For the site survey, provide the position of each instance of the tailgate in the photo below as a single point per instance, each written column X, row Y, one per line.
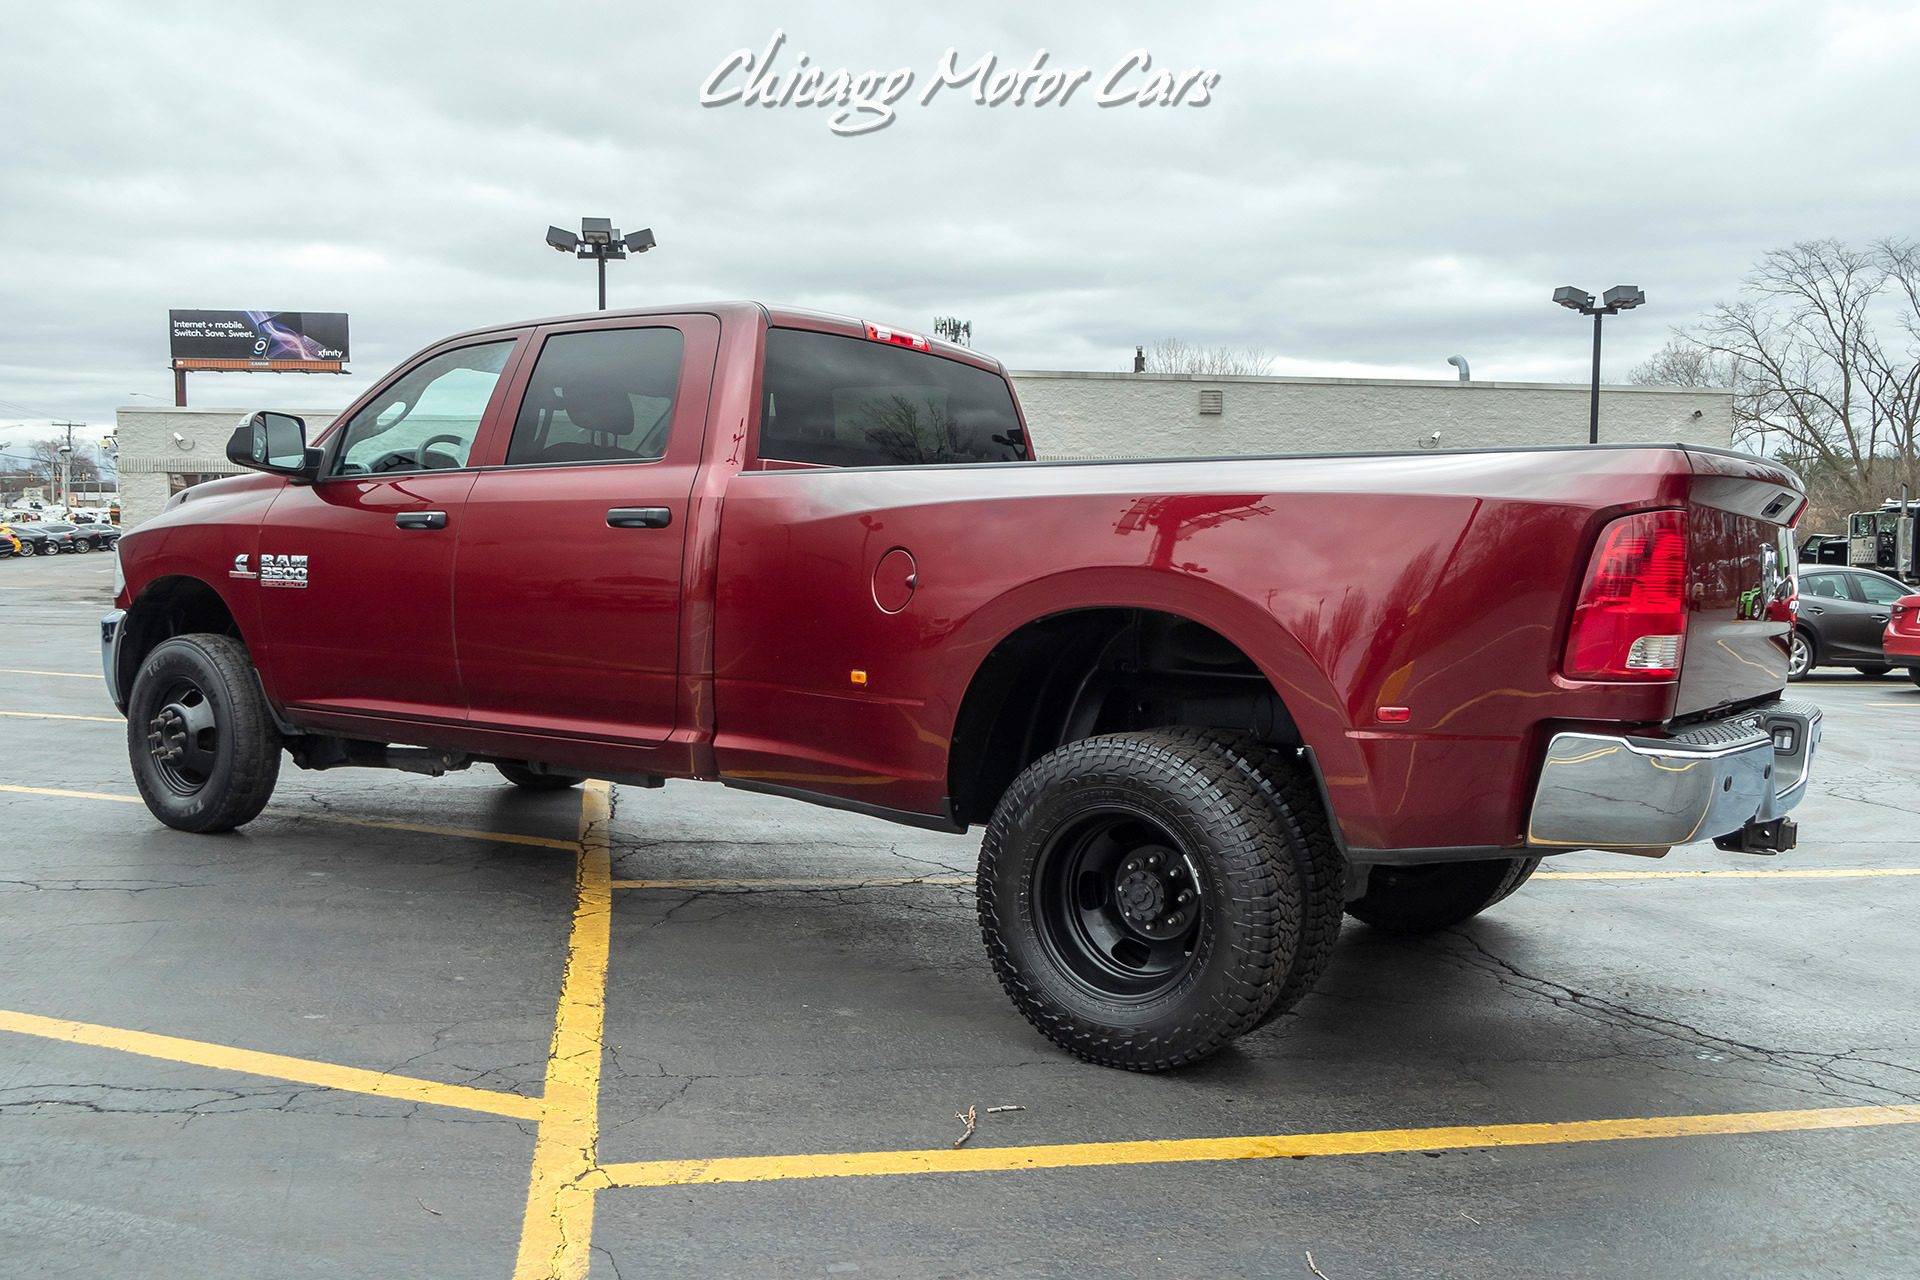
column 1740, row 563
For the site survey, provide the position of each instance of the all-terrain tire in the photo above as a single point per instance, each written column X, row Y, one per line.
column 1307, row 829
column 1104, row 828
column 521, row 776
column 1422, row 899
column 200, row 737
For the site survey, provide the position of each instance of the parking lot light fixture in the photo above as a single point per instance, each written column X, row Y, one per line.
column 600, row 240
column 1622, row 297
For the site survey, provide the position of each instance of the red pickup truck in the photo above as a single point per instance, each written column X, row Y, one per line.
column 1202, row 707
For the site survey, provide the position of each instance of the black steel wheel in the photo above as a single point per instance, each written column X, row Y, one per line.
column 521, row 776
column 1422, row 899
column 202, row 742
column 1801, row 656
column 1137, row 900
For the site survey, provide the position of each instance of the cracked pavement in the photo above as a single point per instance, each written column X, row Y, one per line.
column 756, row 1020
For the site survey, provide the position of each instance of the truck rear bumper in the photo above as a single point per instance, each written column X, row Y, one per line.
column 1645, row 795
column 110, row 628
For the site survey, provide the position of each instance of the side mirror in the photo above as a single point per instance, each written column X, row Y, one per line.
column 275, row 443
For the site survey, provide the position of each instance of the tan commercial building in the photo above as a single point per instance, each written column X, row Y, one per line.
column 1147, row 415
column 164, row 450
column 1132, row 415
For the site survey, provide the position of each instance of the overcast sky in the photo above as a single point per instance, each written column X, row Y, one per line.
column 1372, row 187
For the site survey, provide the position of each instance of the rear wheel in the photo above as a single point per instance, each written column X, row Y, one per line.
column 1800, row 656
column 521, row 776
column 201, row 740
column 81, row 545
column 1290, row 790
column 1138, row 899
column 1913, row 674
column 1422, row 899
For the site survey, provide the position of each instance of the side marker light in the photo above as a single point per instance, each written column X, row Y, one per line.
column 1393, row 715
column 858, row 677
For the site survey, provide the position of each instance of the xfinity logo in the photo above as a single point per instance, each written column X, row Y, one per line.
column 283, row 571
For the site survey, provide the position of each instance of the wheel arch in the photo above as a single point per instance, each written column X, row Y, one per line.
column 173, row 605
column 1058, row 675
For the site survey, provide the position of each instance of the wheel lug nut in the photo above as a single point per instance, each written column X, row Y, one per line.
column 1153, row 859
column 1185, row 896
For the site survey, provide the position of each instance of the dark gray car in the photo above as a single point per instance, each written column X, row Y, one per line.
column 1843, row 613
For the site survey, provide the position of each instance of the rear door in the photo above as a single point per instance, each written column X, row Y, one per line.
column 567, row 597
column 355, row 572
column 1878, row 594
column 1841, row 617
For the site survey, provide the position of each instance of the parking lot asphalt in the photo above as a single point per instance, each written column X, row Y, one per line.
column 411, row 1027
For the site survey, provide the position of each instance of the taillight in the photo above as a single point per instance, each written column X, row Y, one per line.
column 1630, row 623
column 899, row 337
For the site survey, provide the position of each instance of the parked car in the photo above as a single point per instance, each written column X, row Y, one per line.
column 80, row 537
column 1843, row 614
column 1901, row 639
column 32, row 538
column 1202, row 707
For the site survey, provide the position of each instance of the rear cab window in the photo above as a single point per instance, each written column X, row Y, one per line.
column 836, row 401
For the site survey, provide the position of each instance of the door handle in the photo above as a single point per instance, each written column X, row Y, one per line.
column 1814, row 608
column 420, row 520
column 639, row 518
column 1879, row 617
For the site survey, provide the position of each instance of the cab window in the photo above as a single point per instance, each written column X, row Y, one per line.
column 601, row 396
column 851, row 402
column 427, row 420
column 1875, row 590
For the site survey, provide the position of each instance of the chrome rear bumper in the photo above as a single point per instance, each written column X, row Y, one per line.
column 1645, row 795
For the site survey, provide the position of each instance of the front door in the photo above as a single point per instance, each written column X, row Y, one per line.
column 567, row 597
column 355, row 572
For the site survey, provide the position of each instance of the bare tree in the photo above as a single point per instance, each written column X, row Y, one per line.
column 1171, row 355
column 1809, row 367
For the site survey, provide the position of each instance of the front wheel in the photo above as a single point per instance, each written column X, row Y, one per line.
column 1874, row 669
column 82, row 546
column 1138, row 900
column 1421, row 899
column 201, row 740
column 1800, row 656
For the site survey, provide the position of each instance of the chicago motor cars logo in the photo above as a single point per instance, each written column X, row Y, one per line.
column 865, row 100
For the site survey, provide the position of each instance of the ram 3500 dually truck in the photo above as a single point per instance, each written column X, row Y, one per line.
column 1202, row 707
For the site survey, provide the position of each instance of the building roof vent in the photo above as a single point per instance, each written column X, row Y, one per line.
column 1212, row 401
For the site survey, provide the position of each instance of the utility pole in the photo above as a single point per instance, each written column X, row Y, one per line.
column 66, row 462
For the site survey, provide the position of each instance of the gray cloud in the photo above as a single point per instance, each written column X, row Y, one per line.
column 1374, row 187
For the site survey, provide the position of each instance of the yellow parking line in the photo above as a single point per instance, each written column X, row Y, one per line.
column 859, row 1164
column 1914, row 702
column 556, row 1234
column 1803, row 873
column 76, row 675
column 803, row 882
column 300, row 1070
column 47, row 715
column 75, row 795
column 464, row 833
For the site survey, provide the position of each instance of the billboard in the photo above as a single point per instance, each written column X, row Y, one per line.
column 314, row 341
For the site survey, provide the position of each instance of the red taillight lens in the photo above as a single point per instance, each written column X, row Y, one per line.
column 899, row 337
column 1630, row 623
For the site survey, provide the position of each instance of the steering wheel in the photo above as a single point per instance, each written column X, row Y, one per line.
column 420, row 454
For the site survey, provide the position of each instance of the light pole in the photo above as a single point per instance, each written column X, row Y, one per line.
column 600, row 240
column 1622, row 297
